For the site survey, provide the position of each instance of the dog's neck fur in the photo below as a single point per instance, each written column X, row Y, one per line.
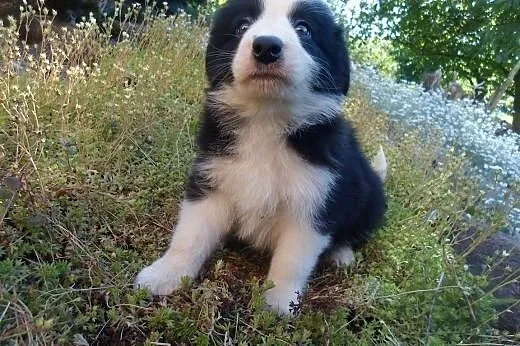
column 288, row 113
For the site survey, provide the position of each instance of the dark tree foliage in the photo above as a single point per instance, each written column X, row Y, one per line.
column 74, row 11
column 172, row 6
column 477, row 39
column 67, row 10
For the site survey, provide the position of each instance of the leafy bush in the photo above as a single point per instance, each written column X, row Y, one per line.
column 375, row 53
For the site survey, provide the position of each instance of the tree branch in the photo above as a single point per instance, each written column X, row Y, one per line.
column 500, row 91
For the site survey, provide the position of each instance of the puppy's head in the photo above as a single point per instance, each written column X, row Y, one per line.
column 277, row 48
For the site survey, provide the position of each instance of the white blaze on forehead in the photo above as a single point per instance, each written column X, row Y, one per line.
column 274, row 20
column 275, row 8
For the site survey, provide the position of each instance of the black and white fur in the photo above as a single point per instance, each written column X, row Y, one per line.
column 277, row 161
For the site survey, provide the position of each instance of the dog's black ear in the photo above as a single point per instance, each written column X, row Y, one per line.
column 218, row 63
column 346, row 78
column 343, row 59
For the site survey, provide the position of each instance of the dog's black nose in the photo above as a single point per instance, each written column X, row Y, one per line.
column 267, row 49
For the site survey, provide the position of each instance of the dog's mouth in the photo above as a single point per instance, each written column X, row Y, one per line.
column 269, row 76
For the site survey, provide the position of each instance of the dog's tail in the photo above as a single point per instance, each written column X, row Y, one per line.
column 380, row 165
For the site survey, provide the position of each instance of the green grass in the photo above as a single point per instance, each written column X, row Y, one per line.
column 92, row 170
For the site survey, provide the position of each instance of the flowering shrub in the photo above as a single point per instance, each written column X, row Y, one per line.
column 492, row 149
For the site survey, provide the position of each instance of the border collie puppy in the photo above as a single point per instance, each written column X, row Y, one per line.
column 277, row 162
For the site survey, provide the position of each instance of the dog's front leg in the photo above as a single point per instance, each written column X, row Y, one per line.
column 295, row 256
column 200, row 228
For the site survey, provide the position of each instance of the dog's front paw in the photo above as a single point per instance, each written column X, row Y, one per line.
column 281, row 301
column 161, row 278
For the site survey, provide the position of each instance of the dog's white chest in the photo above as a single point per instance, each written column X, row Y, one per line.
column 267, row 181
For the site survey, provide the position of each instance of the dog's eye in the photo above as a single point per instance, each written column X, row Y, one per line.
column 303, row 29
column 243, row 25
